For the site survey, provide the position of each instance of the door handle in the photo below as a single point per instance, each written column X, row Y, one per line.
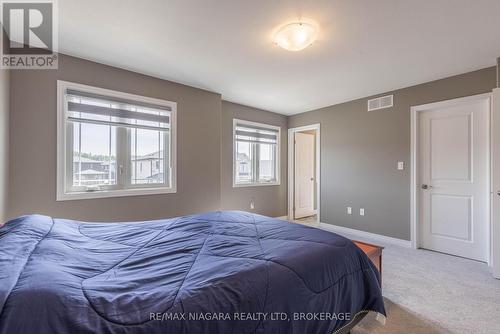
column 425, row 187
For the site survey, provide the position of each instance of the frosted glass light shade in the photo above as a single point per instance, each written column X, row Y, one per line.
column 296, row 36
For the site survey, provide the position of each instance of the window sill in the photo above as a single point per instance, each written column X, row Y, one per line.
column 64, row 196
column 255, row 184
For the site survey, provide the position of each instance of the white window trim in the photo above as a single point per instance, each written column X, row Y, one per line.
column 278, row 155
column 62, row 154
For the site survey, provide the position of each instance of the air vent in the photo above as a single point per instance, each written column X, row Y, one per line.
column 381, row 103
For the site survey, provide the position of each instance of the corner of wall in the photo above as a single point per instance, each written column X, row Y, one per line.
column 4, row 142
column 268, row 200
column 221, row 148
column 498, row 72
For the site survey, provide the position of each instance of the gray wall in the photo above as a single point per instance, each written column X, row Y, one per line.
column 204, row 157
column 33, row 145
column 498, row 72
column 360, row 150
column 4, row 141
column 269, row 200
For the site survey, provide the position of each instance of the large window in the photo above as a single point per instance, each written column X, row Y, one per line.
column 256, row 154
column 113, row 144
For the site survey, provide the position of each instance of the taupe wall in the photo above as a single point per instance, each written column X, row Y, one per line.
column 269, row 200
column 360, row 151
column 204, row 157
column 498, row 72
column 33, row 145
column 4, row 141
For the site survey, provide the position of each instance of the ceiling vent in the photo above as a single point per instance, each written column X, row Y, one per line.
column 382, row 102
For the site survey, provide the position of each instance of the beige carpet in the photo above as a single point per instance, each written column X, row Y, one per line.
column 429, row 292
column 399, row 321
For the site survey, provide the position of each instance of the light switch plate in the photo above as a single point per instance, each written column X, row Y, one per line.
column 349, row 210
column 361, row 212
column 401, row 165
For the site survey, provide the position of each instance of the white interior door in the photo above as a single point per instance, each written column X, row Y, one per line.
column 454, row 190
column 304, row 174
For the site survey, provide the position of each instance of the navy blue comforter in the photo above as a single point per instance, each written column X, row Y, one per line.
column 220, row 272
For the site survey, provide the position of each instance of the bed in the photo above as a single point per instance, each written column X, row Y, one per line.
column 218, row 272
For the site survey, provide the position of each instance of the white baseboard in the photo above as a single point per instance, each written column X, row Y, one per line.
column 362, row 235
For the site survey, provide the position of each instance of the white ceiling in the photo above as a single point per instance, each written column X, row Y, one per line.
column 366, row 47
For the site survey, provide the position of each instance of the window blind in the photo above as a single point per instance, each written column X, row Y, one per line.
column 256, row 134
column 85, row 107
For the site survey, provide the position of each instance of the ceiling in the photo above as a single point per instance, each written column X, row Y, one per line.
column 365, row 47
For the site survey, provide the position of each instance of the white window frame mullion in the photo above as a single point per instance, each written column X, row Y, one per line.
column 275, row 151
column 256, row 163
column 122, row 157
column 110, row 153
column 167, row 158
column 69, row 158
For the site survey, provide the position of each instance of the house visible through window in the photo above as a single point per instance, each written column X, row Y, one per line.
column 113, row 144
column 256, row 153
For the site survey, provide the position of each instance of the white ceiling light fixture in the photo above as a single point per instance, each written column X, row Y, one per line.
column 296, row 36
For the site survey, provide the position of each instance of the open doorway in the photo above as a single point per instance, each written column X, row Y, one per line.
column 304, row 173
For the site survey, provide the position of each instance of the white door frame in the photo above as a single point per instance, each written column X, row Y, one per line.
column 414, row 186
column 495, row 184
column 291, row 165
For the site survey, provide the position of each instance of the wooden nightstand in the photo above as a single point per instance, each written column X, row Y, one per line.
column 374, row 254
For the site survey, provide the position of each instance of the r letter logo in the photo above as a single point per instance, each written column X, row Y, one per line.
column 29, row 35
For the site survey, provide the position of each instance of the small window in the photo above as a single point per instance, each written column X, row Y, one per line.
column 113, row 144
column 256, row 154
